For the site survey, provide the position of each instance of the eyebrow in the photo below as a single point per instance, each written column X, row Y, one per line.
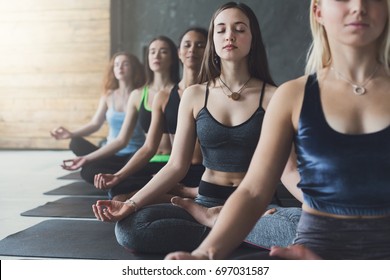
column 236, row 23
column 153, row 49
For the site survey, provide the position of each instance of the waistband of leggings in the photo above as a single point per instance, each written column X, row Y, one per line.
column 214, row 190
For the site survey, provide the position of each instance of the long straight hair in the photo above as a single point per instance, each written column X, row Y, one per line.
column 174, row 68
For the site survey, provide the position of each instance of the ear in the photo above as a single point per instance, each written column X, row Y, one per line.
column 317, row 13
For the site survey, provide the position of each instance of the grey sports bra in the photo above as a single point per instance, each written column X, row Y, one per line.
column 228, row 148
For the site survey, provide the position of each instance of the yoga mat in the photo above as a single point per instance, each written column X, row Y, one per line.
column 77, row 188
column 67, row 207
column 75, row 239
column 71, row 176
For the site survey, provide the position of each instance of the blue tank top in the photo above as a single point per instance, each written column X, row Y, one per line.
column 171, row 110
column 228, row 148
column 115, row 121
column 341, row 173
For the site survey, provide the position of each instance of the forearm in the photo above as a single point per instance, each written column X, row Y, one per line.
column 165, row 180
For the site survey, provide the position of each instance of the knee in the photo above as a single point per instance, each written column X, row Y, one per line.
column 124, row 235
column 75, row 144
column 87, row 174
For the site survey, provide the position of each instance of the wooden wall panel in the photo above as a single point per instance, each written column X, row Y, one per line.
column 53, row 55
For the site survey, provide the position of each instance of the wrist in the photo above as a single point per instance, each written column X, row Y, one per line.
column 120, row 176
column 201, row 254
column 132, row 204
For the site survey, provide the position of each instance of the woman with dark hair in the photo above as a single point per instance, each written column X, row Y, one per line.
column 164, row 117
column 225, row 113
column 124, row 74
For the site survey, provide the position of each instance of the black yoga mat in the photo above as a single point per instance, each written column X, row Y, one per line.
column 71, row 176
column 78, row 188
column 67, row 207
column 75, row 239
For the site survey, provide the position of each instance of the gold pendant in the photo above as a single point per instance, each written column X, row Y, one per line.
column 235, row 96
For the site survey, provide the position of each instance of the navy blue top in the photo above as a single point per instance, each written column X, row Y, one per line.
column 341, row 174
column 228, row 148
column 172, row 109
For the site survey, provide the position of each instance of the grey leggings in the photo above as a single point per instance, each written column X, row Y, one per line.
column 350, row 239
column 163, row 228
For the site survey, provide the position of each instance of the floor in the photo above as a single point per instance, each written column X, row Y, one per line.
column 24, row 177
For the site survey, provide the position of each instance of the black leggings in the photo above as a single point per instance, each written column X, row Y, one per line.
column 142, row 177
column 81, row 147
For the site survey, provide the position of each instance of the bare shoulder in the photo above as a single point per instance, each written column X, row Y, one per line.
column 195, row 92
column 193, row 97
column 135, row 96
column 288, row 97
column 291, row 91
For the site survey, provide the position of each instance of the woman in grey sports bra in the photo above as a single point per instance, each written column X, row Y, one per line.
column 224, row 111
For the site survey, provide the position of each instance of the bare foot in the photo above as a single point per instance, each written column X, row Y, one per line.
column 123, row 197
column 205, row 216
column 294, row 252
column 184, row 191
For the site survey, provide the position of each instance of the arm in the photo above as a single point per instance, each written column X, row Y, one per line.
column 120, row 142
column 125, row 133
column 92, row 126
column 246, row 205
column 145, row 153
column 171, row 173
column 290, row 177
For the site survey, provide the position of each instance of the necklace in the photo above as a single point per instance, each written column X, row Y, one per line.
column 357, row 89
column 235, row 95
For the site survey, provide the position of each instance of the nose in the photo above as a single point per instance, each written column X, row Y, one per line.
column 192, row 48
column 230, row 36
column 359, row 7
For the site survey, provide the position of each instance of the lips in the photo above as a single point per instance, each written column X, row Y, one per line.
column 358, row 24
column 229, row 47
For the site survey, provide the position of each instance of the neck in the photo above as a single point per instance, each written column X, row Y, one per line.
column 233, row 73
column 356, row 64
column 189, row 78
column 160, row 81
column 125, row 88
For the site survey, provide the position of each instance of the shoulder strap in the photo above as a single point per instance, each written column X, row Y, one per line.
column 262, row 94
column 145, row 91
column 206, row 97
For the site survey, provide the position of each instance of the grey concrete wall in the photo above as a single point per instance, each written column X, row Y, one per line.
column 284, row 24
